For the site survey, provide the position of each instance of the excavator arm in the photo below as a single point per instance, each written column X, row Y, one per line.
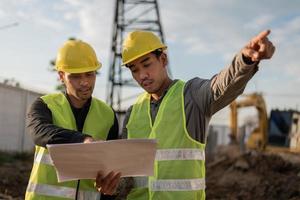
column 258, row 137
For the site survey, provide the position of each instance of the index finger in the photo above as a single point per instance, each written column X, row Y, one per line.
column 261, row 36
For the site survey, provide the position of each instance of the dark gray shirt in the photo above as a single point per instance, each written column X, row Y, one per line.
column 203, row 97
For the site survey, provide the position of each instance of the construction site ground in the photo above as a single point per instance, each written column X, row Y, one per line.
column 230, row 175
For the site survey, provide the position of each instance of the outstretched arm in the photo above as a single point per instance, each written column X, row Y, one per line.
column 231, row 82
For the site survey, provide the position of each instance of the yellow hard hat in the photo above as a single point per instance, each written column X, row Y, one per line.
column 76, row 56
column 139, row 43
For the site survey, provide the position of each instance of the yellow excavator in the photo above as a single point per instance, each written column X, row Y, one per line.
column 279, row 132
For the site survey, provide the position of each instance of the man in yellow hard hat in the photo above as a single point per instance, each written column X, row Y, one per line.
column 177, row 113
column 71, row 117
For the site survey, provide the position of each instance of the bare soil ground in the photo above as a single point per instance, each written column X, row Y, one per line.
column 14, row 174
column 231, row 175
column 253, row 175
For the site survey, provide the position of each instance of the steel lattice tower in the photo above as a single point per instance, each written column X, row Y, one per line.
column 129, row 15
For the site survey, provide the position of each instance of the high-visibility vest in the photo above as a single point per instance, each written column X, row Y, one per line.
column 43, row 182
column 179, row 168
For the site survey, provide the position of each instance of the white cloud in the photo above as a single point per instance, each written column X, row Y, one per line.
column 76, row 3
column 202, row 27
column 49, row 23
column 2, row 13
column 211, row 28
column 26, row 11
column 287, row 41
column 260, row 22
column 94, row 20
column 68, row 16
column 288, row 31
column 208, row 28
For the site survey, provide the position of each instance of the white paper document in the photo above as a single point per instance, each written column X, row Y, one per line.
column 133, row 157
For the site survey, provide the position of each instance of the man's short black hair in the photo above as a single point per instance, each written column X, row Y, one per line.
column 157, row 52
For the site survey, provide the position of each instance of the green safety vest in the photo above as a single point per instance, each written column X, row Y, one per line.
column 43, row 180
column 179, row 168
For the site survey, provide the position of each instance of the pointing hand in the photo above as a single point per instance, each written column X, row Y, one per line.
column 259, row 47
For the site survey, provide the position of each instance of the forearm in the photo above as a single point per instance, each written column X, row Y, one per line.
column 50, row 134
column 231, row 82
column 43, row 131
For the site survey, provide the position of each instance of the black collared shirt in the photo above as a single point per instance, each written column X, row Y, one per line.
column 42, row 130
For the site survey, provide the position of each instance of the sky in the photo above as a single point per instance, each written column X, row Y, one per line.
column 202, row 38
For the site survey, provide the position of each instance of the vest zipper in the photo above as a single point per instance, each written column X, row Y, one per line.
column 77, row 189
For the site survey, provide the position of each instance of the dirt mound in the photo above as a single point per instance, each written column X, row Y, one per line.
column 230, row 175
column 252, row 175
column 14, row 175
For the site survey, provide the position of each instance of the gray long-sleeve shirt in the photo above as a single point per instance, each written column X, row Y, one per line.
column 203, row 98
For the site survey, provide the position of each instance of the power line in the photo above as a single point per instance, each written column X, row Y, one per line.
column 9, row 25
column 283, row 95
column 280, row 95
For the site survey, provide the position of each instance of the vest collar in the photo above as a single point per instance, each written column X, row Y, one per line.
column 164, row 93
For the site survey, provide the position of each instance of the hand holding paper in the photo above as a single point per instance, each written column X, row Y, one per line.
column 134, row 157
column 107, row 184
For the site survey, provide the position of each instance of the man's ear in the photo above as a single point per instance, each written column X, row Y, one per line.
column 164, row 59
column 61, row 75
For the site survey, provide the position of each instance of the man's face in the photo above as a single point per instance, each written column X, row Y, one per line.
column 79, row 86
column 149, row 71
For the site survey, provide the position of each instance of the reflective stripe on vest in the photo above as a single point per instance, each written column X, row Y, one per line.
column 170, row 185
column 141, row 181
column 58, row 191
column 178, row 185
column 174, row 154
column 51, row 190
column 43, row 158
column 179, row 154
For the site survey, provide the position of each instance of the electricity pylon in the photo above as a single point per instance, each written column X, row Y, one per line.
column 129, row 15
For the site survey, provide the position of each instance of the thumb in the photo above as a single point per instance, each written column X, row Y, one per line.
column 250, row 53
column 88, row 140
